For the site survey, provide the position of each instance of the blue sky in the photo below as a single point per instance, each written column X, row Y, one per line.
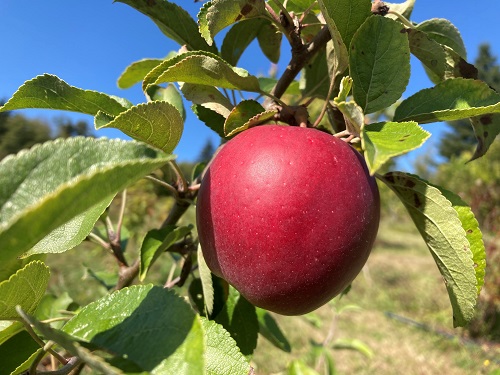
column 89, row 43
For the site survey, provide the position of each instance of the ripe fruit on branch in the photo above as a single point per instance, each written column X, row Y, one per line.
column 288, row 216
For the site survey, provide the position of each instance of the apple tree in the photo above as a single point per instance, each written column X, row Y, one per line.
column 288, row 207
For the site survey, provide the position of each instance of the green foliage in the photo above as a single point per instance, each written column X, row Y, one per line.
column 56, row 195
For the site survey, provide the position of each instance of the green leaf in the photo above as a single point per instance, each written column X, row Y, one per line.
column 239, row 37
column 206, row 283
column 83, row 171
column 444, row 32
column 135, row 72
column 171, row 336
column 49, row 91
column 218, row 14
column 51, row 306
column 354, row 344
column 379, row 63
column 71, row 233
column 223, row 356
column 211, row 119
column 246, row 114
column 449, row 100
column 15, row 353
column 384, row 140
column 158, row 124
column 269, row 39
column 299, row 367
column 486, row 129
column 9, row 266
column 92, row 360
column 267, row 84
column 442, row 230
column 405, row 9
column 268, row 327
column 348, row 15
column 239, row 318
column 158, row 241
column 173, row 21
column 353, row 116
column 440, row 61
column 25, row 288
column 9, row 329
column 201, row 68
column 168, row 94
column 315, row 80
column 208, row 97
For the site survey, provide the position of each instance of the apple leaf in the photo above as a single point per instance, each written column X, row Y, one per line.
column 239, row 318
column 268, row 327
column 17, row 353
column 62, row 339
column 71, row 233
column 444, row 32
column 223, row 356
column 83, row 172
column 51, row 307
column 168, row 94
column 405, row 9
column 452, row 99
column 353, row 344
column 442, row 230
column 211, row 119
column 135, row 72
column 299, row 367
column 50, row 92
column 158, row 241
column 267, row 84
column 158, row 124
column 171, row 336
column 379, row 63
column 348, row 15
column 314, row 80
column 269, row 39
column 486, row 129
column 208, row 97
column 9, row 329
column 238, row 38
column 218, row 14
column 25, row 288
column 207, row 285
column 384, row 140
column 173, row 21
column 202, row 68
column 246, row 114
column 353, row 116
column 441, row 61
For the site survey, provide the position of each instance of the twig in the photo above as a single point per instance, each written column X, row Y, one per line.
column 121, row 214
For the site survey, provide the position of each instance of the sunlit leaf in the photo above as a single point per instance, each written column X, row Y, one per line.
column 168, row 94
column 299, row 367
column 449, row 100
column 247, row 113
column 25, row 288
column 379, row 63
column 158, row 124
column 353, row 344
column 442, row 230
column 444, row 32
column 135, row 72
column 405, row 9
column 50, row 92
column 384, row 140
column 83, row 172
column 208, row 97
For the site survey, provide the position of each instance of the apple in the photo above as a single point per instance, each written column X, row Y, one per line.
column 288, row 216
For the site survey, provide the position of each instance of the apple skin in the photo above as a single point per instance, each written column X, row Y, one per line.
column 288, row 216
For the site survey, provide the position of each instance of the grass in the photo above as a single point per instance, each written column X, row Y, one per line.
column 404, row 314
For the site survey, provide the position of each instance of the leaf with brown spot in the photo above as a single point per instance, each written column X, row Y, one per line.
column 486, row 129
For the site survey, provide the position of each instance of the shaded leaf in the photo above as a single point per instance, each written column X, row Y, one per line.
column 208, row 97
column 218, row 14
column 135, row 72
column 211, row 119
column 315, row 79
column 486, row 129
column 267, row 84
column 168, row 94
column 239, row 318
column 239, row 37
column 50, row 92
column 223, row 356
column 441, row 228
column 158, row 241
column 171, row 337
column 379, row 63
column 16, row 352
column 82, row 172
column 25, row 288
column 270, row 41
column 173, row 21
column 444, row 32
column 51, row 306
column 206, row 283
column 9, row 329
column 246, row 114
column 158, row 124
column 202, row 68
column 449, row 100
column 268, row 327
column 385, row 140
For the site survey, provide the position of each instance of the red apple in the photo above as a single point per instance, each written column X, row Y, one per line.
column 288, row 216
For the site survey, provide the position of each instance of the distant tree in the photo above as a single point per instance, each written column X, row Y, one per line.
column 65, row 128
column 460, row 137
column 206, row 152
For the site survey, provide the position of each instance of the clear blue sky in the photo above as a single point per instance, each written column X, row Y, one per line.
column 89, row 43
